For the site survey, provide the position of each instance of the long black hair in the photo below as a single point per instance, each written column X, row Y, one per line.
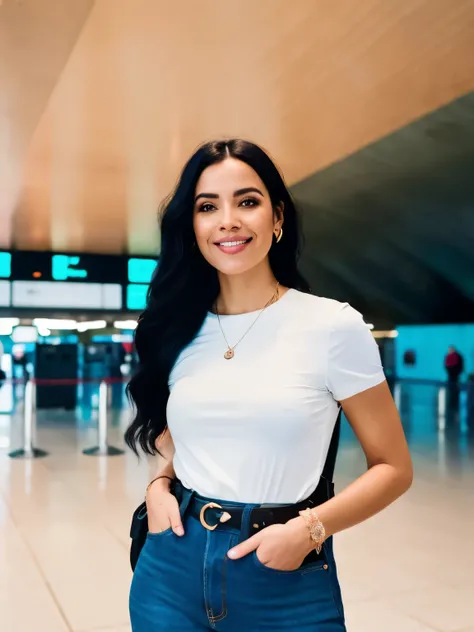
column 184, row 286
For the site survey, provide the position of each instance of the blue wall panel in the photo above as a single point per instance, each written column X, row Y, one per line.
column 431, row 342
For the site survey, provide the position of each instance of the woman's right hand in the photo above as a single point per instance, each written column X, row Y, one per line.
column 163, row 510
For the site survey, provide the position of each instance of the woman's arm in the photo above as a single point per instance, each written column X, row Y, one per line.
column 375, row 420
column 164, row 444
column 162, row 506
column 376, row 423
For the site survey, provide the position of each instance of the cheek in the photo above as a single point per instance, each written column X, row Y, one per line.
column 204, row 231
column 261, row 222
column 202, row 228
column 265, row 227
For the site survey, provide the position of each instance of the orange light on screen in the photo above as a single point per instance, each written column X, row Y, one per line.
column 37, row 275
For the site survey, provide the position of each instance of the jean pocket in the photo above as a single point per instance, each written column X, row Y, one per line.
column 304, row 569
column 159, row 534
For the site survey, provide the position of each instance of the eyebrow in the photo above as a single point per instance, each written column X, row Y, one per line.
column 238, row 193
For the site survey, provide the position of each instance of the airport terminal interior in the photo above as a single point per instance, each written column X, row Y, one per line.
column 368, row 109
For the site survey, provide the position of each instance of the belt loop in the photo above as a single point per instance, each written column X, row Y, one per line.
column 245, row 524
column 188, row 495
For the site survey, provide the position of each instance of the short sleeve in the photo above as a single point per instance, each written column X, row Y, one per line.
column 353, row 363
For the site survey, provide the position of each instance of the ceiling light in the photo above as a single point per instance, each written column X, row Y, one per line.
column 7, row 324
column 25, row 333
column 13, row 322
column 55, row 323
column 125, row 324
column 392, row 333
column 92, row 324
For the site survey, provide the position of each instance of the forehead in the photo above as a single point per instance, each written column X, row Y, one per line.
column 228, row 176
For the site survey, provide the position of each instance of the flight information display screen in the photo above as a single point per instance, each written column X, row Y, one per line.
column 74, row 281
column 66, row 295
column 140, row 270
column 64, row 267
column 5, row 265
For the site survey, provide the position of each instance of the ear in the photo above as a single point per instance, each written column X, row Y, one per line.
column 278, row 214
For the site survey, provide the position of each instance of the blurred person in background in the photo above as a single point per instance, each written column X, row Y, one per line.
column 454, row 365
column 242, row 374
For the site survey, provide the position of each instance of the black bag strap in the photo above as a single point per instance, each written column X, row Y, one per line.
column 330, row 464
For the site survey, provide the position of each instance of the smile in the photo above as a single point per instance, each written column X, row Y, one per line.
column 233, row 243
column 233, row 247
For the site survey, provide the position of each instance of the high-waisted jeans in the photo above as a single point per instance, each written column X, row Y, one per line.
column 188, row 584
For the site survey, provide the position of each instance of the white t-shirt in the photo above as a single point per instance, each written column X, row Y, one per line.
column 257, row 428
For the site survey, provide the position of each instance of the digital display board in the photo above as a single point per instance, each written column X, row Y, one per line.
column 4, row 293
column 61, row 267
column 5, row 265
column 140, row 270
column 66, row 267
column 66, row 295
column 136, row 296
column 33, row 279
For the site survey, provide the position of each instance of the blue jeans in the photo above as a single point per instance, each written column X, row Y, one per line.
column 189, row 584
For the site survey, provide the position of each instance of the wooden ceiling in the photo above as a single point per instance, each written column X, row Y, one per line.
column 102, row 102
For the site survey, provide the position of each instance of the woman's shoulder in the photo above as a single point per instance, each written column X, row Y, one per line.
column 326, row 310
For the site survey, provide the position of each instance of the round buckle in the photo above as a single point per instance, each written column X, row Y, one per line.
column 203, row 520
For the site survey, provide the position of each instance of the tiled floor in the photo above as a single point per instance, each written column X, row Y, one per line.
column 64, row 524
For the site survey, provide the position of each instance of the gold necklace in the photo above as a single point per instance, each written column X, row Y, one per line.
column 229, row 354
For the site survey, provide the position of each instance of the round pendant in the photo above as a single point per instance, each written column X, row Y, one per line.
column 229, row 354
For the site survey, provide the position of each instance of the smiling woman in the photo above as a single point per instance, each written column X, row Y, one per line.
column 242, row 516
column 189, row 279
column 232, row 221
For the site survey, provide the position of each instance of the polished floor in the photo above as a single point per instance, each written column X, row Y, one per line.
column 64, row 524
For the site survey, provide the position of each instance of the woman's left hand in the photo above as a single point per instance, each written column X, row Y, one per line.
column 281, row 547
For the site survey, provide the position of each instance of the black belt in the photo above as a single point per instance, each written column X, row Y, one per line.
column 213, row 515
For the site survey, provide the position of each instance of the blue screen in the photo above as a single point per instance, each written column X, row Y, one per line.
column 5, row 265
column 141, row 270
column 63, row 268
column 136, row 296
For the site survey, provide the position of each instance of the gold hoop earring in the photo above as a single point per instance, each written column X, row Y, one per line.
column 279, row 236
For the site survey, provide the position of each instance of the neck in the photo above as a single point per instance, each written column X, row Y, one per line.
column 240, row 294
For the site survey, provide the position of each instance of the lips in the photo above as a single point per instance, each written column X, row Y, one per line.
column 234, row 241
column 234, row 245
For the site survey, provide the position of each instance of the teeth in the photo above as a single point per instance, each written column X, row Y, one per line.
column 232, row 243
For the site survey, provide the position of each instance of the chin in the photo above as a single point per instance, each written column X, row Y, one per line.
column 233, row 268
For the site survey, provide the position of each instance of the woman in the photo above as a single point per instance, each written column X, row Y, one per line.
column 247, row 369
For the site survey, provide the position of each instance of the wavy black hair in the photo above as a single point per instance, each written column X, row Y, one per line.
column 185, row 287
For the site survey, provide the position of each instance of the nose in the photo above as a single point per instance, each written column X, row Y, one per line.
column 229, row 219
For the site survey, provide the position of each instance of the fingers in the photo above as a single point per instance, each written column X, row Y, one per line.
column 245, row 547
column 163, row 509
column 175, row 520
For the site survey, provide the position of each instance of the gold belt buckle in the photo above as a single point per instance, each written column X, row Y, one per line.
column 202, row 518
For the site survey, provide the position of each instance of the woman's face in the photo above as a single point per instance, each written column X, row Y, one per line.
column 234, row 221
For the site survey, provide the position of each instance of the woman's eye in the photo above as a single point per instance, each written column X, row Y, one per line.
column 205, row 208
column 249, row 202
